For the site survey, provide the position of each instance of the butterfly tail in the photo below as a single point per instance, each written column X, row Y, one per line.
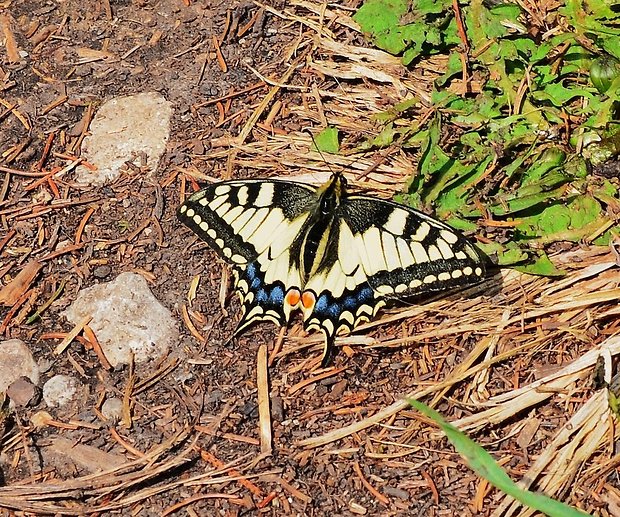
column 329, row 351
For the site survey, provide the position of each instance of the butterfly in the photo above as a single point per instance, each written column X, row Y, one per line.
column 337, row 257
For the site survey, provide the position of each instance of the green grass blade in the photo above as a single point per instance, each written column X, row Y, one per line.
column 481, row 462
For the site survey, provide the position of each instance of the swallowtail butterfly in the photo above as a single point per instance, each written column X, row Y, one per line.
column 335, row 256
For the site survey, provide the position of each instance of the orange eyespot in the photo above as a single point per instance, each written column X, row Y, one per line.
column 293, row 297
column 308, row 299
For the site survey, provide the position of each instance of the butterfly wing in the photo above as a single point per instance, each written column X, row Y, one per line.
column 378, row 249
column 252, row 225
column 404, row 252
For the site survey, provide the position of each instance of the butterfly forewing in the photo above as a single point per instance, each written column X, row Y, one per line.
column 241, row 219
column 404, row 252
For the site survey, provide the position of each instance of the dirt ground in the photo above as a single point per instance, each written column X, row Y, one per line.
column 193, row 445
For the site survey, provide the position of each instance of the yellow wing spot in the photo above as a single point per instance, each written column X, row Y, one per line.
column 348, row 317
column 204, row 226
column 429, row 279
column 257, row 310
column 400, row 288
column 264, row 235
column 404, row 252
column 444, row 248
column 448, row 236
column 189, row 212
column 419, row 253
column 203, row 201
column 212, row 233
column 372, row 245
column 219, row 242
column 389, row 251
column 415, row 283
column 460, row 255
column 385, row 289
column 242, row 195
column 183, row 209
column 197, row 219
column 233, row 214
column 238, row 259
column 328, row 327
column 222, row 209
column 422, row 232
column 217, row 202
column 433, row 253
column 248, row 229
column 222, row 190
column 457, row 273
column 227, row 252
column 364, row 309
column 443, row 276
column 348, row 259
column 277, row 269
column 265, row 195
column 478, row 271
column 397, row 222
column 242, row 220
column 467, row 271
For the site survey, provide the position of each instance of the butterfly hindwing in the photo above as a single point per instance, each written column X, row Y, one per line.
column 344, row 297
column 253, row 225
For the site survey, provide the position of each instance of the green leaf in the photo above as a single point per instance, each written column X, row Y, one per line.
column 481, row 462
column 327, row 141
column 550, row 159
column 559, row 95
column 542, row 266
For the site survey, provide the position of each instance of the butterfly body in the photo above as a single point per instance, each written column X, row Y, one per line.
column 334, row 256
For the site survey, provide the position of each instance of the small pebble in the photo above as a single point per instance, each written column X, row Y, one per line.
column 59, row 390
column 102, row 271
column 396, row 492
column 23, row 392
column 112, row 409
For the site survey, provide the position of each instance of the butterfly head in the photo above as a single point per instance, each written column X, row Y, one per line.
column 331, row 193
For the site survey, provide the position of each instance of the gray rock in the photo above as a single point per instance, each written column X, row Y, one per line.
column 112, row 409
column 126, row 318
column 16, row 361
column 23, row 393
column 123, row 128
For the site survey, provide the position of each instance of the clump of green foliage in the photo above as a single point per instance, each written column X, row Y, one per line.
column 534, row 112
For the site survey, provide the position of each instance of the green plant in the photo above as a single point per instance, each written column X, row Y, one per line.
column 528, row 120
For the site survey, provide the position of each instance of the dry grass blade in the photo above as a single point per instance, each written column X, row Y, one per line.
column 566, row 454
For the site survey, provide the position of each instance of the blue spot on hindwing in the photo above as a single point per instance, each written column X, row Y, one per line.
column 261, row 296
column 321, row 303
column 277, row 295
column 364, row 294
column 327, row 307
column 350, row 303
column 250, row 271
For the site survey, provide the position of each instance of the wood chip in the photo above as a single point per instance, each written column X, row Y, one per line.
column 14, row 290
